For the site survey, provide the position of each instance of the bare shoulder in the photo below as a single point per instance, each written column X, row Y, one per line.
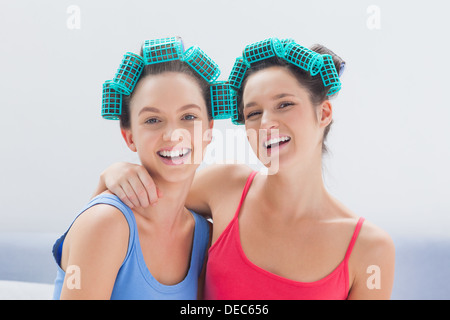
column 374, row 242
column 225, row 180
column 100, row 228
column 372, row 264
column 102, row 219
column 215, row 182
column 97, row 244
column 226, row 174
column 372, row 260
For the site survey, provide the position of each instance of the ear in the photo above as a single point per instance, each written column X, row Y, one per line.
column 208, row 134
column 128, row 137
column 325, row 115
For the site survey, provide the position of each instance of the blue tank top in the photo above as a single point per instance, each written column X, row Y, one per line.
column 134, row 281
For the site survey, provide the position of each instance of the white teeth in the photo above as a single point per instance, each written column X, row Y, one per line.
column 276, row 140
column 174, row 153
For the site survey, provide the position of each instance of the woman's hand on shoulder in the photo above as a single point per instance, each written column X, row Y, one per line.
column 373, row 259
column 97, row 245
column 131, row 183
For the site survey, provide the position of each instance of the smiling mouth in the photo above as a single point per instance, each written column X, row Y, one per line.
column 177, row 154
column 275, row 142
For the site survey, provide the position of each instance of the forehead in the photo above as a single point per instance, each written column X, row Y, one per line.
column 167, row 89
column 271, row 82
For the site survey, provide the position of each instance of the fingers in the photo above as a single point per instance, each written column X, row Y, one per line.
column 132, row 184
column 150, row 191
column 130, row 188
column 139, row 189
column 122, row 194
column 139, row 194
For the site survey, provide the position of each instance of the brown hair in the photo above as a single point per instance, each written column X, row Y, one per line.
column 159, row 68
column 314, row 84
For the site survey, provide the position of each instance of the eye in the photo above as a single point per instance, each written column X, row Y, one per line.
column 251, row 114
column 284, row 105
column 189, row 117
column 152, row 121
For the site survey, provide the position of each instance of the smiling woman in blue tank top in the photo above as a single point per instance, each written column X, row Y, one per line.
column 113, row 252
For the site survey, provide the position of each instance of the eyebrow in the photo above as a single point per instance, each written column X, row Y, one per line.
column 156, row 110
column 276, row 97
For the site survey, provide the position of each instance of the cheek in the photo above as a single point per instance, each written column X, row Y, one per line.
column 253, row 137
column 302, row 119
column 146, row 140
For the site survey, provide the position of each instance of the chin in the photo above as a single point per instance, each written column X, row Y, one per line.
column 174, row 174
column 180, row 175
column 280, row 164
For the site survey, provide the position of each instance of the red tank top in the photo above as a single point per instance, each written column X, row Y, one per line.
column 230, row 275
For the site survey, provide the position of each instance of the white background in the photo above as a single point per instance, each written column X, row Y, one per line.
column 389, row 146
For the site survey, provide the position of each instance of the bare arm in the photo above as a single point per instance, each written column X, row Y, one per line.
column 373, row 264
column 213, row 185
column 135, row 187
column 93, row 252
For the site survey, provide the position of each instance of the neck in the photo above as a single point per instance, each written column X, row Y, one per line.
column 296, row 192
column 170, row 210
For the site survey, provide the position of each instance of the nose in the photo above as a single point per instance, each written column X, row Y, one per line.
column 174, row 133
column 268, row 121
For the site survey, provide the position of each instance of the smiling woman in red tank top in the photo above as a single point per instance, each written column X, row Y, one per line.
column 280, row 235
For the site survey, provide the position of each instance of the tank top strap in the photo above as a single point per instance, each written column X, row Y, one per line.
column 354, row 237
column 201, row 239
column 244, row 192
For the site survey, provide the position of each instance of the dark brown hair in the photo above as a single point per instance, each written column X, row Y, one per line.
column 159, row 68
column 313, row 84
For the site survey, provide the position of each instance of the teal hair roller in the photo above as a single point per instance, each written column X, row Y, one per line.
column 201, row 63
column 221, row 100
column 234, row 108
column 128, row 73
column 161, row 50
column 304, row 58
column 157, row 51
column 237, row 73
column 286, row 41
column 329, row 75
column 263, row 50
column 111, row 102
